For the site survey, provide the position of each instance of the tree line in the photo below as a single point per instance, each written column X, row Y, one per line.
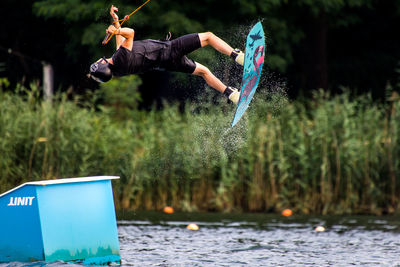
column 312, row 44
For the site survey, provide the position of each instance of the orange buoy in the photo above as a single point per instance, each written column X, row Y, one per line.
column 168, row 209
column 192, row 227
column 287, row 212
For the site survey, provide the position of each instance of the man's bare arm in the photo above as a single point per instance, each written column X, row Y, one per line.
column 127, row 34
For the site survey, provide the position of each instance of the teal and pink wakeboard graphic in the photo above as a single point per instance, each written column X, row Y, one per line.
column 253, row 62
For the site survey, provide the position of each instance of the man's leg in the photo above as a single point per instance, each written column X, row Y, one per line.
column 208, row 38
column 216, row 83
column 210, row 79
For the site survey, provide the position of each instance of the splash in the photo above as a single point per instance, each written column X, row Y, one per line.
column 209, row 115
column 271, row 97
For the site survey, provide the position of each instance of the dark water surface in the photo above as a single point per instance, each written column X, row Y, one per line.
column 156, row 239
column 260, row 240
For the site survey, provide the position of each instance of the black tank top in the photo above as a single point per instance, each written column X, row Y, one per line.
column 145, row 55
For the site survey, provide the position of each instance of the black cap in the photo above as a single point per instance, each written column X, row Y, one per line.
column 101, row 72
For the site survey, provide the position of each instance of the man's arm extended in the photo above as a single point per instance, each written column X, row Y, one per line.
column 123, row 36
column 114, row 16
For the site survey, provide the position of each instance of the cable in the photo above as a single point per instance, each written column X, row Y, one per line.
column 109, row 36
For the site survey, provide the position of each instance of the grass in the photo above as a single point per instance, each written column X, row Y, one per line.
column 325, row 155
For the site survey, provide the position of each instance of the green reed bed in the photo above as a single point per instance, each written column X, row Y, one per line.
column 328, row 154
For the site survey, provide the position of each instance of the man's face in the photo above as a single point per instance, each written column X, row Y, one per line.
column 102, row 61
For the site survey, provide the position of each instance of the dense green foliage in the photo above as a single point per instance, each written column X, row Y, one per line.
column 329, row 154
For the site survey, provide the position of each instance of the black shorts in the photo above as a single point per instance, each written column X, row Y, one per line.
column 180, row 47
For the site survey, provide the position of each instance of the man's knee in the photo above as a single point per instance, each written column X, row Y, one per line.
column 209, row 35
column 201, row 70
column 205, row 37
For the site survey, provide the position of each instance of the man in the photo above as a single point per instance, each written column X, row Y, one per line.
column 141, row 56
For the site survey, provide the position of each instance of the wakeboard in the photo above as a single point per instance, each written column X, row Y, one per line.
column 252, row 67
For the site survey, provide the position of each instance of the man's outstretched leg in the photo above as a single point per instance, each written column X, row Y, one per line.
column 215, row 83
column 208, row 38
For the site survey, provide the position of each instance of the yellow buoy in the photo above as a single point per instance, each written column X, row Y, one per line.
column 320, row 229
column 192, row 227
column 287, row 212
column 168, row 209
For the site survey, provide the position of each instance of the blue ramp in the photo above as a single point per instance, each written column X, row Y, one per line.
column 60, row 220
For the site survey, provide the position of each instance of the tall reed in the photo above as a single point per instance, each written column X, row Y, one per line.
column 326, row 155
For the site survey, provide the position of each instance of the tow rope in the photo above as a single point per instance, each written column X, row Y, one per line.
column 109, row 36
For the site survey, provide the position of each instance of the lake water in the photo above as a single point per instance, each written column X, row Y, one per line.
column 156, row 239
column 261, row 240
